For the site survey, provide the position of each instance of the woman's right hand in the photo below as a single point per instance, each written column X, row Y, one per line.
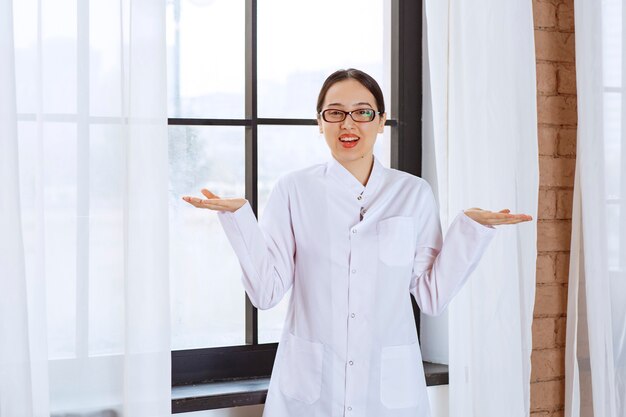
column 214, row 202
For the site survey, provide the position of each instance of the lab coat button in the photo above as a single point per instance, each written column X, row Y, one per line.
column 359, row 197
column 351, row 363
column 354, row 271
column 349, row 408
column 352, row 315
column 354, row 231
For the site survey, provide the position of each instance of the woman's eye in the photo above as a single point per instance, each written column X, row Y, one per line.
column 365, row 112
column 334, row 113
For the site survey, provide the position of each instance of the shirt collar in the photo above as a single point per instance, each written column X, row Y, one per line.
column 345, row 177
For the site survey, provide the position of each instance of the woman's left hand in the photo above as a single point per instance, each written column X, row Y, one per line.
column 491, row 218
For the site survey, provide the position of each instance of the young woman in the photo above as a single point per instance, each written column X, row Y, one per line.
column 354, row 240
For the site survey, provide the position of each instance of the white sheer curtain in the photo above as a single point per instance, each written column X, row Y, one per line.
column 480, row 127
column 84, row 287
column 595, row 362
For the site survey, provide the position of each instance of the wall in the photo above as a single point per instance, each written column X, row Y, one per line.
column 557, row 119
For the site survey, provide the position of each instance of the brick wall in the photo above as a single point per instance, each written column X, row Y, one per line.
column 557, row 119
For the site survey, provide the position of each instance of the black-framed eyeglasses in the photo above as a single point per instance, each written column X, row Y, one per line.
column 358, row 115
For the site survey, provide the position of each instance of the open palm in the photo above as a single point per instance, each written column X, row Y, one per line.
column 213, row 202
column 492, row 218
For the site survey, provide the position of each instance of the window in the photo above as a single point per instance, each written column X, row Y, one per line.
column 243, row 82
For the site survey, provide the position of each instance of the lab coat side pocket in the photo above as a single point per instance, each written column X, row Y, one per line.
column 396, row 240
column 301, row 369
column 402, row 379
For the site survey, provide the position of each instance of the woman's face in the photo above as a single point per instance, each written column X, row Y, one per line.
column 349, row 95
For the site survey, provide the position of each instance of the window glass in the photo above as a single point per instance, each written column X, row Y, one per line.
column 208, row 299
column 206, row 58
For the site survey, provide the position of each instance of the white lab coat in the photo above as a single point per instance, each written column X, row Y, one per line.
column 349, row 345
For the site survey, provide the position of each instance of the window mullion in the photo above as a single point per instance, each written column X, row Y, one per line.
column 252, row 325
column 406, row 93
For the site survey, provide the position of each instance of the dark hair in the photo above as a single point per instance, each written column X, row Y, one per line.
column 366, row 80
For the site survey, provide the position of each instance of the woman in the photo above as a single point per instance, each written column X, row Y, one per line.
column 354, row 240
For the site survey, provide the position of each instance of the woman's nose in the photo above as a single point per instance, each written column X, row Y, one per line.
column 347, row 122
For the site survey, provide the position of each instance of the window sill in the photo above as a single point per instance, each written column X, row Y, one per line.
column 213, row 395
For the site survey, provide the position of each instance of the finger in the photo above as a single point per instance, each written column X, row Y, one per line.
column 214, row 202
column 504, row 218
column 504, row 211
column 497, row 215
column 189, row 199
column 515, row 220
column 521, row 216
column 507, row 215
column 194, row 201
column 208, row 194
column 512, row 220
column 200, row 203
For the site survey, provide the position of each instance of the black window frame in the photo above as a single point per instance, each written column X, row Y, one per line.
column 254, row 360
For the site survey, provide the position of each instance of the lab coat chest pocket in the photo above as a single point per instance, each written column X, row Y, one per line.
column 401, row 376
column 301, row 369
column 396, row 243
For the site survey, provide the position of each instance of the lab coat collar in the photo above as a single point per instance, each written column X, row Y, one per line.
column 345, row 177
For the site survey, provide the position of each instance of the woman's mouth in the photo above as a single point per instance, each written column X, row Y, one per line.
column 348, row 141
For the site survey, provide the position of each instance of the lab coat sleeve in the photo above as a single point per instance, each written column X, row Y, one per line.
column 441, row 267
column 265, row 249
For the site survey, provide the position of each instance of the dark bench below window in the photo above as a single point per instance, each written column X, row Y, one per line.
column 207, row 396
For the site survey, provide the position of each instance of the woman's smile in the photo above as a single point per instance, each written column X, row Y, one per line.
column 349, row 140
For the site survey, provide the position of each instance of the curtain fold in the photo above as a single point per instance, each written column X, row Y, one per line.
column 595, row 357
column 84, row 282
column 482, row 133
column 15, row 363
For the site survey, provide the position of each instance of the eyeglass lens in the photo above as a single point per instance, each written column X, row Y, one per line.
column 360, row 115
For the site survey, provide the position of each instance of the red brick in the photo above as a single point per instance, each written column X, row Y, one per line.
column 554, row 46
column 546, row 78
column 561, row 331
column 562, row 267
column 546, row 268
column 556, row 172
column 550, row 300
column 567, row 142
column 547, row 395
column 547, row 364
column 544, row 333
column 564, row 204
column 559, row 110
column 544, row 15
column 541, row 414
column 548, row 140
column 565, row 16
column 545, row 413
column 553, row 235
column 566, row 79
column 547, row 204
